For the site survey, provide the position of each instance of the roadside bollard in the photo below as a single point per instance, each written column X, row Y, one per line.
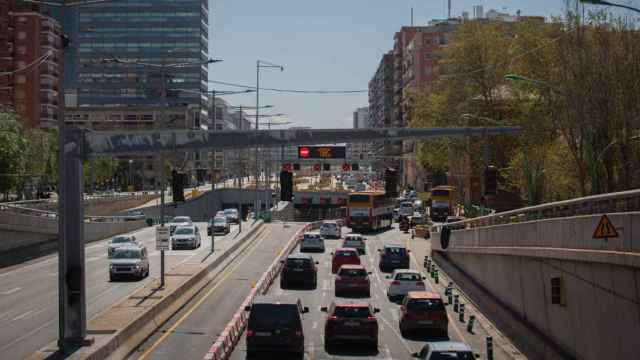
column 435, row 278
column 461, row 312
column 489, row 348
column 455, row 303
column 425, row 261
column 472, row 319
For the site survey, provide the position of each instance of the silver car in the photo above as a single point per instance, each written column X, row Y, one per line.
column 120, row 241
column 186, row 236
column 312, row 241
column 179, row 221
column 445, row 350
column 355, row 241
column 129, row 261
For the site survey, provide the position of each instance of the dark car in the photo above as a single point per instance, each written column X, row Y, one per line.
column 394, row 257
column 275, row 324
column 352, row 279
column 351, row 321
column 423, row 310
column 299, row 269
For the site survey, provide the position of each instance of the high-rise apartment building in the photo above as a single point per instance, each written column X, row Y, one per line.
column 381, row 93
column 30, row 63
column 360, row 121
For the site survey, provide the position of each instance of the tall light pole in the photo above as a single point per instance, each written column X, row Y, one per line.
column 259, row 65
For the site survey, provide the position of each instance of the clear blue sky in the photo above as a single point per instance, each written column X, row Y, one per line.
column 327, row 44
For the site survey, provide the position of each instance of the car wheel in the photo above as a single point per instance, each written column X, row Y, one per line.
column 111, row 278
column 367, row 293
column 283, row 285
column 328, row 345
column 374, row 344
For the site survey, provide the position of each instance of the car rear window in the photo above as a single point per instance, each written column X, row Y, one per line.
column 329, row 225
column 184, row 231
column 451, row 355
column 395, row 251
column 350, row 243
column 274, row 315
column 121, row 239
column 345, row 253
column 181, row 219
column 298, row 263
column 408, row 277
column 425, row 305
column 353, row 272
column 352, row 311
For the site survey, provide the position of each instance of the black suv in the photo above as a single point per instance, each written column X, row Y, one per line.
column 394, row 257
column 299, row 269
column 275, row 324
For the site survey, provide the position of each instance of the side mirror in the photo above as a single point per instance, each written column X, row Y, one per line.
column 424, row 278
column 247, row 308
column 379, row 250
column 387, row 276
column 376, row 310
column 332, row 253
column 476, row 355
column 408, row 251
column 369, row 273
column 317, row 262
column 305, row 310
column 324, row 309
column 281, row 261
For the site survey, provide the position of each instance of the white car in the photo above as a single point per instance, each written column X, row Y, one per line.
column 355, row 241
column 186, row 236
column 120, row 241
column 330, row 229
column 179, row 221
column 312, row 241
column 403, row 281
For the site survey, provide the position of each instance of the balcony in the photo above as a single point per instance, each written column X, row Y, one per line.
column 49, row 68
column 48, row 110
column 48, row 83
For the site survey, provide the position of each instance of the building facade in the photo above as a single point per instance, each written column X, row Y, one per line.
column 359, row 151
column 381, row 92
column 30, row 60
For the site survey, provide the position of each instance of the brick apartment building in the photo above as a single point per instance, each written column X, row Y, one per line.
column 30, row 61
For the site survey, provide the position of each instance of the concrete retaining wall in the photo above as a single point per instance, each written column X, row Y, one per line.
column 507, row 271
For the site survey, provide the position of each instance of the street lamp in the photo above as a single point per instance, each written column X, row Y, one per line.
column 606, row 3
column 259, row 65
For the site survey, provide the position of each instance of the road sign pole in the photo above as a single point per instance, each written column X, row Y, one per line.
column 162, row 192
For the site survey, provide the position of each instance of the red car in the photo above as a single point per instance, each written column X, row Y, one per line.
column 344, row 256
column 353, row 279
column 423, row 310
column 351, row 321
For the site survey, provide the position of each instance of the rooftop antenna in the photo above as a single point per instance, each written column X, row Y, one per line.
column 449, row 9
column 412, row 16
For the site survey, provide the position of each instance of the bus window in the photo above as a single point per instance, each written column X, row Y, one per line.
column 359, row 198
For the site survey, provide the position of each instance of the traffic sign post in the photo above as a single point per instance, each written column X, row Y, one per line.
column 162, row 243
column 605, row 229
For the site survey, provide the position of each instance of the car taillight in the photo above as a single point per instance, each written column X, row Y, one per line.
column 333, row 318
column 284, row 269
column 298, row 333
column 420, row 283
column 395, row 282
column 249, row 333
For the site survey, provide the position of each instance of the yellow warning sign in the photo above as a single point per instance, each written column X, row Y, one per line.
column 605, row 229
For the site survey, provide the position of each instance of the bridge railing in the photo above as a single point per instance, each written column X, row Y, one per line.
column 624, row 201
column 17, row 209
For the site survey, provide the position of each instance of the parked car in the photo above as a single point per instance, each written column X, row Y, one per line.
column 330, row 229
column 178, row 221
column 120, row 241
column 275, row 324
column 422, row 310
column 355, row 241
column 219, row 225
column 186, row 236
column 129, row 261
column 438, row 350
column 394, row 257
column 403, row 281
column 352, row 279
column 299, row 269
column 233, row 216
column 350, row 321
column 343, row 256
column 312, row 241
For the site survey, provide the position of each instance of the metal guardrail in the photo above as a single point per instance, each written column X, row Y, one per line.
column 15, row 209
column 623, row 201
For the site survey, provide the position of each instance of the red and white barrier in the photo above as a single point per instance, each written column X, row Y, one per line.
column 227, row 340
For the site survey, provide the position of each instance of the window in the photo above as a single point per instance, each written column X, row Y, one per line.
column 558, row 293
column 22, row 35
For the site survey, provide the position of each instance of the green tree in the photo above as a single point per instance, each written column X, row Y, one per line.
column 12, row 151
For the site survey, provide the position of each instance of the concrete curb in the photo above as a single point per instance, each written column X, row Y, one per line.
column 125, row 340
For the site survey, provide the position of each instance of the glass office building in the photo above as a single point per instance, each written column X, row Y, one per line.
column 143, row 31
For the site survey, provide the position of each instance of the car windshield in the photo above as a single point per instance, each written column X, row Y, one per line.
column 345, row 253
column 353, row 272
column 329, row 226
column 352, row 311
column 221, row 221
column 395, row 251
column 180, row 219
column 451, row 355
column 271, row 316
column 425, row 305
column 121, row 239
column 440, row 204
column 408, row 277
column 352, row 242
column 127, row 254
column 229, row 211
column 359, row 198
column 184, row 231
column 349, row 238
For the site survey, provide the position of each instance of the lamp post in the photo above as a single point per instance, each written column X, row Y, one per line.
column 259, row 65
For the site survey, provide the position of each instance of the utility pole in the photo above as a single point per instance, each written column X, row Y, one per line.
column 161, row 167
column 257, row 204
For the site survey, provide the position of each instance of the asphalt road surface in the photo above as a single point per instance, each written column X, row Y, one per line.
column 29, row 291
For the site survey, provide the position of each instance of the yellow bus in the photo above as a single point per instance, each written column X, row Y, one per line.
column 443, row 202
column 369, row 210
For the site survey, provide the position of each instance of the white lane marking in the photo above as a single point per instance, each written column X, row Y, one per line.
column 27, row 335
column 9, row 292
column 394, row 315
column 93, row 258
column 325, row 285
column 22, row 315
column 402, row 340
column 314, row 325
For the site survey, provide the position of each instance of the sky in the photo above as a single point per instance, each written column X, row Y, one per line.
column 323, row 45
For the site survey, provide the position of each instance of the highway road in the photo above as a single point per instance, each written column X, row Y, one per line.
column 391, row 344
column 29, row 292
column 190, row 333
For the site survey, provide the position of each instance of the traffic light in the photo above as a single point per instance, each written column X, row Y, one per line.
column 326, row 167
column 391, row 182
column 346, row 167
column 355, row 167
column 296, row 167
column 490, row 180
column 286, row 186
column 317, row 167
column 177, row 186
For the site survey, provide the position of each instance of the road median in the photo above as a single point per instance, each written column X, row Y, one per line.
column 121, row 328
